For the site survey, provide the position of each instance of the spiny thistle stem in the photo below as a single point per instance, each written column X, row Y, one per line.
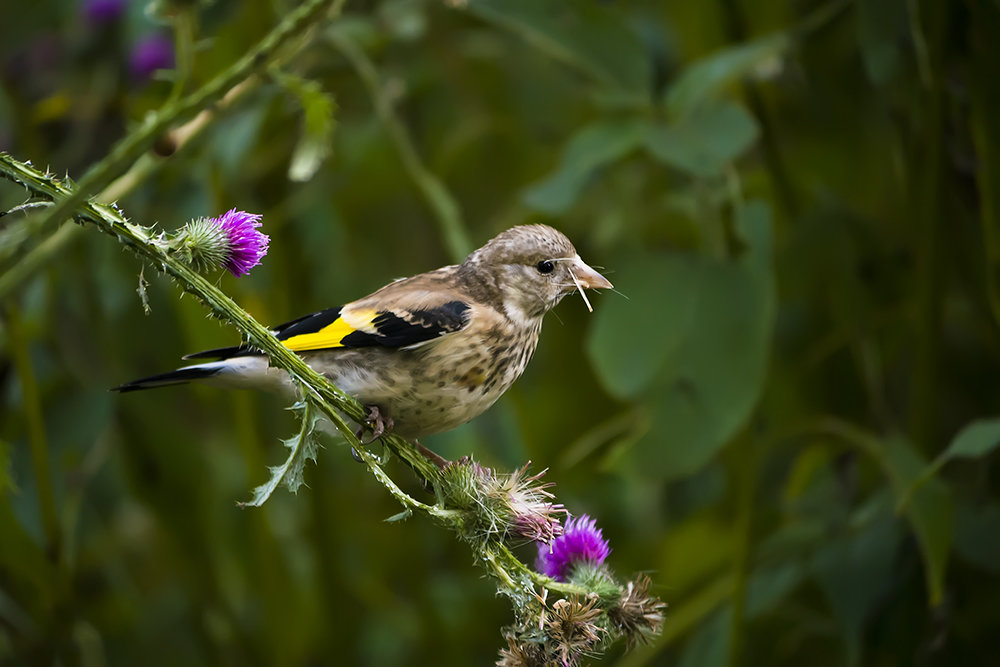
column 596, row 608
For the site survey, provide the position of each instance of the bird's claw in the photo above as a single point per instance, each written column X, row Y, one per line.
column 378, row 425
column 435, row 458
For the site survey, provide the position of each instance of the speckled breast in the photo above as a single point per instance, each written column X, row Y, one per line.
column 435, row 388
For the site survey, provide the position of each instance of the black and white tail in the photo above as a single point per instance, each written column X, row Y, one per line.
column 179, row 376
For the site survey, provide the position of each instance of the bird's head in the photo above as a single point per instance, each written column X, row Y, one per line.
column 532, row 267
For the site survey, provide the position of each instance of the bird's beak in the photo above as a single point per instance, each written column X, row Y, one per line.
column 587, row 277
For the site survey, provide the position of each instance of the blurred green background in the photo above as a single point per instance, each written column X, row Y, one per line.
column 786, row 415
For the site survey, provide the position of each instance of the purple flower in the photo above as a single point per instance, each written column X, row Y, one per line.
column 580, row 542
column 230, row 241
column 101, row 12
column 247, row 246
column 151, row 53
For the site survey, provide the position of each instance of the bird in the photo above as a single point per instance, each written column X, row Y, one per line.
column 427, row 353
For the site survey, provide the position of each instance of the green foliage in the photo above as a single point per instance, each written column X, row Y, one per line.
column 788, row 414
column 316, row 138
column 595, row 40
column 698, row 363
column 593, row 147
column 704, row 144
column 707, row 77
column 302, row 447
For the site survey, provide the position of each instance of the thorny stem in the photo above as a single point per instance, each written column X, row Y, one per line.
column 514, row 578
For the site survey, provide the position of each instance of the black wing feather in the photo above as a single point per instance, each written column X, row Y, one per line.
column 413, row 327
column 392, row 330
column 307, row 324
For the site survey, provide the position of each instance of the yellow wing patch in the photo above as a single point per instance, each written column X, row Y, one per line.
column 332, row 334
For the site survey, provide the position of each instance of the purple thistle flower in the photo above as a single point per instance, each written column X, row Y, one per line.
column 101, row 12
column 581, row 541
column 150, row 53
column 246, row 246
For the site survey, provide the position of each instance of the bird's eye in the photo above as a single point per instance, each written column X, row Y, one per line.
column 545, row 266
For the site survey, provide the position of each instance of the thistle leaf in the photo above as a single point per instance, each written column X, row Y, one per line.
column 302, row 447
column 402, row 516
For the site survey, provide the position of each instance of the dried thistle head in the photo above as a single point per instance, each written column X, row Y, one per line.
column 501, row 505
column 521, row 653
column 572, row 627
column 637, row 614
column 533, row 514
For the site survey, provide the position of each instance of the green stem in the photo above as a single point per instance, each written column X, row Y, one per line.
column 929, row 218
column 126, row 151
column 737, row 32
column 36, row 430
column 514, row 576
column 141, row 171
column 183, row 47
column 443, row 205
column 984, row 105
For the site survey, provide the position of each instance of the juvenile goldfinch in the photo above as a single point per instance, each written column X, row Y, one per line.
column 425, row 353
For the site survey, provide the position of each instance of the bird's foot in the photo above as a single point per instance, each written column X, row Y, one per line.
column 377, row 424
column 433, row 457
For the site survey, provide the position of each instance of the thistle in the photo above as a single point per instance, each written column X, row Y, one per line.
column 637, row 614
column 151, row 53
column 517, row 504
column 103, row 12
column 230, row 241
column 580, row 547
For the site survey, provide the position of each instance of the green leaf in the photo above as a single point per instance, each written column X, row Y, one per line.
column 704, row 144
column 303, row 446
column 695, row 345
column 705, row 78
column 316, row 137
column 928, row 508
column 631, row 339
column 976, row 440
column 590, row 148
column 401, row 516
column 587, row 36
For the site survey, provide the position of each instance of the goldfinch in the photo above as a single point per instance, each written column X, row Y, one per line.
column 425, row 353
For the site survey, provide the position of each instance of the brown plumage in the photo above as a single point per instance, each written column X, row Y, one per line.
column 432, row 351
